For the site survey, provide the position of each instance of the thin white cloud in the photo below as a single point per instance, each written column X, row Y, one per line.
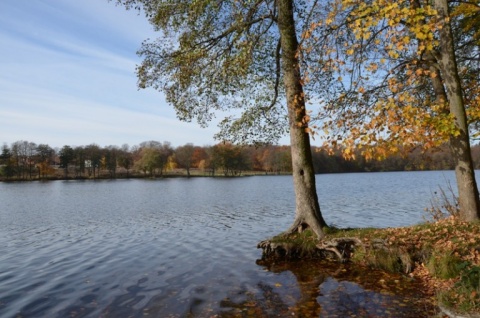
column 67, row 77
column 79, row 123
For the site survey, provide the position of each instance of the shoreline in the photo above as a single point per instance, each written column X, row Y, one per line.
column 443, row 255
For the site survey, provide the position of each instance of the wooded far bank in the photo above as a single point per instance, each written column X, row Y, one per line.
column 23, row 160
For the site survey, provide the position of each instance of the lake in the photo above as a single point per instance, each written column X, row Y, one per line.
column 187, row 247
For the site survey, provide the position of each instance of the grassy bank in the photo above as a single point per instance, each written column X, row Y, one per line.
column 444, row 255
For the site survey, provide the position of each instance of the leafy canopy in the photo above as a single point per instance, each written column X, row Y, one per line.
column 219, row 56
column 367, row 66
column 382, row 59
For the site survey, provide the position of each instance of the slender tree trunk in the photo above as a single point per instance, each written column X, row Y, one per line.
column 459, row 145
column 307, row 207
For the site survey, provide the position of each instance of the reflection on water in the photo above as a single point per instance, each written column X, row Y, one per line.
column 186, row 248
column 326, row 289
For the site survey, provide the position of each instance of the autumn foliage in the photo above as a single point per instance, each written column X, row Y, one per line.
column 380, row 56
column 161, row 159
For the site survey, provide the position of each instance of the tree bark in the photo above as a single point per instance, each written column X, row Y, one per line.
column 459, row 145
column 307, row 207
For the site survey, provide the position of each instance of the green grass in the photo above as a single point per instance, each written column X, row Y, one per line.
column 465, row 295
column 444, row 265
column 298, row 245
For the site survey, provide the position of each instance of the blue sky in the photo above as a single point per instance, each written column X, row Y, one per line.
column 67, row 77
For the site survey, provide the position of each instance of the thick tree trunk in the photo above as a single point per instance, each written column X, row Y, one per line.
column 460, row 145
column 307, row 207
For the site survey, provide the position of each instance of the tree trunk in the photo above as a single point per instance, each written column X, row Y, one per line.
column 459, row 145
column 307, row 207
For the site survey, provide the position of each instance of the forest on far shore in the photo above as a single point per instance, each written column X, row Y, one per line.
column 23, row 160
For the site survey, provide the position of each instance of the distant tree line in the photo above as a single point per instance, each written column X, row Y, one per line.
column 24, row 160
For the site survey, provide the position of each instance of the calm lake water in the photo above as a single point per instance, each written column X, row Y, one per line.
column 187, row 247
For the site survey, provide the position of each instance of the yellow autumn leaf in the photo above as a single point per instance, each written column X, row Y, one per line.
column 420, row 35
column 393, row 54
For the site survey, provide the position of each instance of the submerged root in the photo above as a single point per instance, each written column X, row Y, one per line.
column 288, row 251
column 277, row 249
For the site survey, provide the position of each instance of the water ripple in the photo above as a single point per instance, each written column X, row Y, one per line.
column 169, row 247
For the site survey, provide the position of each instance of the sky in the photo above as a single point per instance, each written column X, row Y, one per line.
column 67, row 77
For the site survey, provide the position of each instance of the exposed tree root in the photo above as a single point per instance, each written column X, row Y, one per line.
column 300, row 224
column 342, row 247
column 377, row 253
